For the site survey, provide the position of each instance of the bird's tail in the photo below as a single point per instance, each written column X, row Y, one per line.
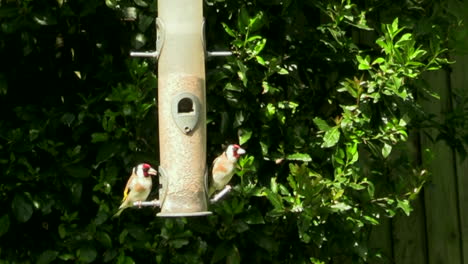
column 122, row 207
column 211, row 191
column 118, row 212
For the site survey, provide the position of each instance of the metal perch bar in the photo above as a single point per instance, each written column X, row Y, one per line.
column 146, row 54
column 157, row 203
column 154, row 203
column 218, row 53
column 221, row 194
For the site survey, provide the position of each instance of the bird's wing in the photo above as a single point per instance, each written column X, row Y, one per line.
column 216, row 160
column 210, row 176
column 129, row 186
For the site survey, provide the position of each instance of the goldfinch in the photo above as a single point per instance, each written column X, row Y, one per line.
column 224, row 167
column 138, row 186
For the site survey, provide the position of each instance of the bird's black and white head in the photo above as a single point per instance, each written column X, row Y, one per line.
column 144, row 170
column 234, row 151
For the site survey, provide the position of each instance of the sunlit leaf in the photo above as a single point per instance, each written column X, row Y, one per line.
column 331, row 137
column 244, row 135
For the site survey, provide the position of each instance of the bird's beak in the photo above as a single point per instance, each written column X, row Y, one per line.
column 241, row 151
column 152, row 171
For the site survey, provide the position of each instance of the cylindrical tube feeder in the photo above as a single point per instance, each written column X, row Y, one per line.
column 182, row 109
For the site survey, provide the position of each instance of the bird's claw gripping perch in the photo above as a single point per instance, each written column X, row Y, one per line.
column 221, row 194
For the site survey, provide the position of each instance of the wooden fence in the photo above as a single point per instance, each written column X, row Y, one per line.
column 436, row 232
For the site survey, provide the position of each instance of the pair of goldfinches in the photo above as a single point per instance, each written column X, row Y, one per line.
column 139, row 184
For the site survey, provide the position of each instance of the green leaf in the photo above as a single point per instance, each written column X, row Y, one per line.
column 370, row 189
column 47, row 257
column 363, row 63
column 220, row 252
column 242, row 73
column 78, row 171
column 371, row 220
column 299, row 157
column 99, row 137
column 282, row 71
column 232, row 87
column 266, row 242
column 109, row 254
column 386, row 150
column 254, row 217
column 331, row 137
column 233, row 256
column 178, row 242
column 256, row 22
column 252, row 38
column 321, row 124
column 405, row 206
column 123, row 235
column 68, row 119
column 275, row 199
column 261, row 61
column 228, row 30
column 140, row 3
column 244, row 135
column 138, row 232
column 62, row 231
column 67, row 257
column 381, row 42
column 127, row 110
column 107, row 151
column 340, row 207
column 378, row 61
column 104, row 239
column 239, row 119
column 33, row 134
column 240, row 226
column 22, row 208
column 356, row 186
column 125, row 260
column 243, row 20
column 87, row 254
column 4, row 224
column 259, row 46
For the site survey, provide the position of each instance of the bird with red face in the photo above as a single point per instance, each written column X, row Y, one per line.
column 224, row 167
column 138, row 186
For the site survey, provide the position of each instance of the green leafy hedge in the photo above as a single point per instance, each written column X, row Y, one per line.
column 321, row 93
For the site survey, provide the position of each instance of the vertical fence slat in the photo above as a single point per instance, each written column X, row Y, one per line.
column 381, row 239
column 442, row 227
column 459, row 81
column 409, row 232
column 409, row 236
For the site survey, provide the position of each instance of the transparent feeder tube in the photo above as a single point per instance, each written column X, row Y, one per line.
column 182, row 109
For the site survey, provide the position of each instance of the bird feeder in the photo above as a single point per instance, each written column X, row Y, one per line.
column 180, row 50
column 182, row 109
